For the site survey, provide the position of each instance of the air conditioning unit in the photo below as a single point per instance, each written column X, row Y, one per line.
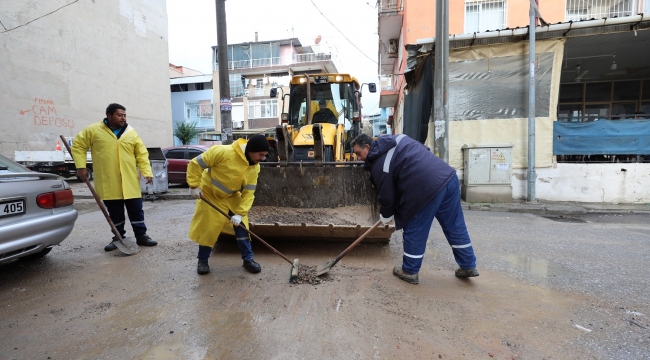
column 392, row 47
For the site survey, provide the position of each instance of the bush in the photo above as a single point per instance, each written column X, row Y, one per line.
column 185, row 132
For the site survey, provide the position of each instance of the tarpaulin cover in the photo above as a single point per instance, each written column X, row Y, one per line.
column 488, row 99
column 602, row 137
column 417, row 103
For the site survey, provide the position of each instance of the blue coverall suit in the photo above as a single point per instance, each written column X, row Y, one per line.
column 415, row 186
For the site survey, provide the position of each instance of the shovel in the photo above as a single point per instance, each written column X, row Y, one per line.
column 126, row 244
column 328, row 265
column 294, row 263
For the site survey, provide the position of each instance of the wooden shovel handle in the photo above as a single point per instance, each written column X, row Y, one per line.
column 357, row 241
column 248, row 231
column 92, row 190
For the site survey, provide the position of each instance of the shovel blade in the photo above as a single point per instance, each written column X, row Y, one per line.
column 325, row 267
column 127, row 246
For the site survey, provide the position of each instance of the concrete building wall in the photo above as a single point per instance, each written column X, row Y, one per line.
column 60, row 71
column 588, row 183
column 615, row 182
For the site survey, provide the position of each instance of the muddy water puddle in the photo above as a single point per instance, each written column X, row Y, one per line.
column 534, row 266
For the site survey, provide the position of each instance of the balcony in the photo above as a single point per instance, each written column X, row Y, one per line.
column 201, row 113
column 577, row 10
column 297, row 59
column 386, row 82
column 388, row 96
column 391, row 5
column 391, row 13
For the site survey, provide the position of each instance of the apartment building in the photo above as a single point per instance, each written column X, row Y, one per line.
column 191, row 99
column 592, row 88
column 60, row 73
column 256, row 67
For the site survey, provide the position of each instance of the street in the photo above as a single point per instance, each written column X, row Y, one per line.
column 549, row 288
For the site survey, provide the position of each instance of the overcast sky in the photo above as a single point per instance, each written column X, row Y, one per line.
column 192, row 31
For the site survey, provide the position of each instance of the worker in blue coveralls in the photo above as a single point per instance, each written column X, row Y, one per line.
column 414, row 186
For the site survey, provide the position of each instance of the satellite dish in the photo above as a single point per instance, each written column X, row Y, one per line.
column 317, row 40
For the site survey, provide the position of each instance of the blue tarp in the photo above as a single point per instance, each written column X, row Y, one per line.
column 602, row 137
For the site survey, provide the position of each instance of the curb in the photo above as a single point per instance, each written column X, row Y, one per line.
column 552, row 209
column 539, row 209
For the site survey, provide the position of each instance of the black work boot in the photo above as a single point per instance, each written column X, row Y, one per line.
column 111, row 246
column 465, row 273
column 409, row 278
column 202, row 267
column 145, row 240
column 252, row 266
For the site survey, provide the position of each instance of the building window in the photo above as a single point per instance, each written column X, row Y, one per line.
column 200, row 112
column 262, row 108
column 576, row 14
column 627, row 99
column 237, row 86
column 179, row 87
column 484, row 15
column 199, row 86
column 577, row 10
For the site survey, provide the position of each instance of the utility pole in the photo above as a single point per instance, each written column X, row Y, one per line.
column 225, row 105
column 531, row 174
column 438, row 134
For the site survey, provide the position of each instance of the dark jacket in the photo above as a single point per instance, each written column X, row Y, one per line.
column 407, row 177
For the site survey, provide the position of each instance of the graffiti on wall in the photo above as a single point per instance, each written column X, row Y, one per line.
column 45, row 114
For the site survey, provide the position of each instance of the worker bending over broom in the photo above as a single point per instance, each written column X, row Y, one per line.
column 414, row 186
column 226, row 175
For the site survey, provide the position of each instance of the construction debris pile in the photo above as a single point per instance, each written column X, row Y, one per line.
column 307, row 275
column 321, row 216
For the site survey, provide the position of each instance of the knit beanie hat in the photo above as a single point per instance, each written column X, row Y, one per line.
column 257, row 143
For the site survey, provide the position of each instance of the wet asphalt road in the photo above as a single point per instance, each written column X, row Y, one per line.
column 550, row 288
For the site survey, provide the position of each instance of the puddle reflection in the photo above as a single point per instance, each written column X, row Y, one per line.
column 533, row 266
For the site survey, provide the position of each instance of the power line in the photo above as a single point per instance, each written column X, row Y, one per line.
column 346, row 38
column 40, row 17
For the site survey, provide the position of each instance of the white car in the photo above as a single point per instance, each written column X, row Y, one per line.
column 36, row 211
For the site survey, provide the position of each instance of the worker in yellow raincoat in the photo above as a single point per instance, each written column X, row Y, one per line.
column 116, row 150
column 226, row 175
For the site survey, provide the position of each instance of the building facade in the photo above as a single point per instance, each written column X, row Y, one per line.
column 257, row 67
column 63, row 65
column 192, row 103
column 590, row 80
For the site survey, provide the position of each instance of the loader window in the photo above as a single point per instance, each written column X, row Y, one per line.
column 338, row 98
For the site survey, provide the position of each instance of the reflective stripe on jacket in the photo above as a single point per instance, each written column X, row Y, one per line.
column 228, row 181
column 407, row 176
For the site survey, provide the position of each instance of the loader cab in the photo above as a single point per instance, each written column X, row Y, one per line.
column 333, row 99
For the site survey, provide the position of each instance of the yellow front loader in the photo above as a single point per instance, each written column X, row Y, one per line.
column 315, row 190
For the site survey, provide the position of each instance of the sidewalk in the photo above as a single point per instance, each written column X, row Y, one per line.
column 81, row 191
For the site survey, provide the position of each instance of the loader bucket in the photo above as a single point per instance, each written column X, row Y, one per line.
column 310, row 203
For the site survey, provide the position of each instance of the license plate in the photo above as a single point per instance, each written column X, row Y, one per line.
column 310, row 153
column 13, row 207
column 320, row 79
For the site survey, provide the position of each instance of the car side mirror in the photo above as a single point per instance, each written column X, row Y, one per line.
column 274, row 92
column 372, row 87
column 284, row 117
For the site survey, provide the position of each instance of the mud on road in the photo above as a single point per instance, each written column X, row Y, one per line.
column 83, row 303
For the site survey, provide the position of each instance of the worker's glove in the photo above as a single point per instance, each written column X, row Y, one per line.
column 235, row 220
column 384, row 220
column 196, row 193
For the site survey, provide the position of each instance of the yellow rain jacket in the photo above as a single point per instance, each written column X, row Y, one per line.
column 114, row 160
column 228, row 181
